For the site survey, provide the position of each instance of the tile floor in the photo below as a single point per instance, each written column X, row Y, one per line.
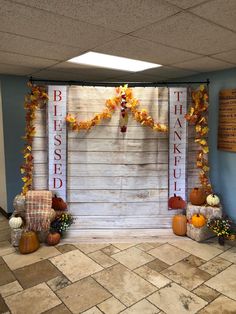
column 176, row 276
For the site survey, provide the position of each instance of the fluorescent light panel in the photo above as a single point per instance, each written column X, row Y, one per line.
column 112, row 62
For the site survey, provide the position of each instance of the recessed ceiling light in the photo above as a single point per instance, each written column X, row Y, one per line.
column 112, row 62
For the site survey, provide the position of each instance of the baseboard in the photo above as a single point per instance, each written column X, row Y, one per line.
column 5, row 214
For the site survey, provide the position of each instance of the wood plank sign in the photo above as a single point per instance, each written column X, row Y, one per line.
column 227, row 120
column 177, row 141
column 57, row 140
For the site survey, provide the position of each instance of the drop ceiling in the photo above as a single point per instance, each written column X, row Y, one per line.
column 185, row 36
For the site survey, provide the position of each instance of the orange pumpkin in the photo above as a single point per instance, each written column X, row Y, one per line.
column 198, row 220
column 197, row 196
column 176, row 202
column 28, row 242
column 53, row 238
column 179, row 225
column 58, row 203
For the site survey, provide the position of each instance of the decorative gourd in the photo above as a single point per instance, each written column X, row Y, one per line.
column 198, row 220
column 58, row 203
column 15, row 222
column 179, row 225
column 52, row 214
column 53, row 238
column 19, row 204
column 176, row 202
column 197, row 196
column 213, row 200
column 28, row 242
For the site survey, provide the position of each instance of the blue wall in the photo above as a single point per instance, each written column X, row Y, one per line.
column 13, row 89
column 223, row 164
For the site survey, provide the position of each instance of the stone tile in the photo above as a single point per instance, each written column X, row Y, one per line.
column 203, row 250
column 123, row 246
column 168, row 254
column 176, row 299
column 33, row 300
column 152, row 276
column 36, row 273
column 7, row 275
column 102, row 259
column 83, row 295
column 124, row 284
column 111, row 306
column 91, row 247
column 186, row 275
column 230, row 255
column 206, row 293
column 225, row 282
column 10, row 288
column 133, row 257
column 221, row 305
column 3, row 306
column 93, row 310
column 64, row 248
column 75, row 265
column 215, row 266
column 17, row 260
column 142, row 307
column 146, row 246
column 5, row 235
column 213, row 242
column 6, row 248
column 194, row 260
column 110, row 250
column 157, row 265
column 58, row 282
column 60, row 309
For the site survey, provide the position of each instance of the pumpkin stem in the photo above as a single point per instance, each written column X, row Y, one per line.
column 174, row 195
column 198, row 215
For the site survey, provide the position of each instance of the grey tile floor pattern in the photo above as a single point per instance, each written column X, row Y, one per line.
column 174, row 275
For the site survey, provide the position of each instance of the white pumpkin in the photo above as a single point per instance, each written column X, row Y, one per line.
column 213, row 200
column 15, row 222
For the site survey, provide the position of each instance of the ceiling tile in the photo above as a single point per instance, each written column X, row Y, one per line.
column 135, row 77
column 15, row 69
column 37, row 24
column 140, row 49
column 169, row 72
column 13, row 58
column 218, row 11
column 228, row 56
column 185, row 4
column 204, row 64
column 189, row 32
column 121, row 15
column 37, row 48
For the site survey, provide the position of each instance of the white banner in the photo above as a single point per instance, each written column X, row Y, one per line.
column 177, row 141
column 57, row 140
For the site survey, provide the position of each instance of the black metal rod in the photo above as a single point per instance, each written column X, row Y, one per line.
column 113, row 84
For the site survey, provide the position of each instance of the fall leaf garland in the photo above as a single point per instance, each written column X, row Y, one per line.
column 197, row 116
column 123, row 93
column 36, row 98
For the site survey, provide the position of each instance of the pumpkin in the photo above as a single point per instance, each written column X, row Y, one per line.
column 58, row 203
column 53, row 238
column 213, row 200
column 176, row 202
column 28, row 242
column 15, row 222
column 179, row 225
column 198, row 220
column 197, row 196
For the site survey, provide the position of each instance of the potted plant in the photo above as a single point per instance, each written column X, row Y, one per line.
column 58, row 228
column 221, row 227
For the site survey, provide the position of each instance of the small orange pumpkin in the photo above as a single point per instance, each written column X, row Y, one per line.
column 198, row 220
column 179, row 225
column 197, row 196
column 176, row 202
column 53, row 238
